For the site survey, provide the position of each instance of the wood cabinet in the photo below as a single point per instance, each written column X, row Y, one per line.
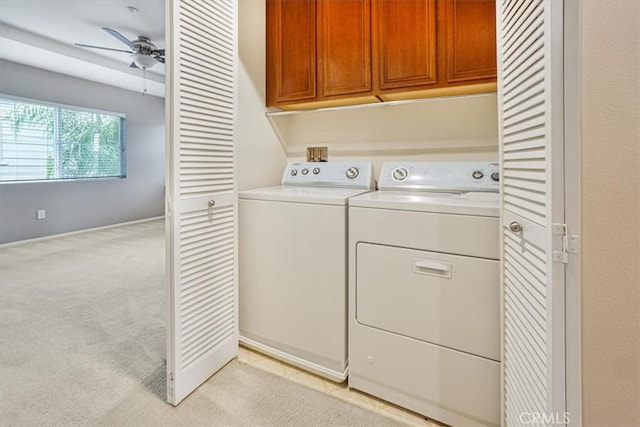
column 404, row 40
column 344, row 47
column 468, row 40
column 291, row 51
column 319, row 50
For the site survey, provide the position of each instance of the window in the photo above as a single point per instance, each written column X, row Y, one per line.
column 44, row 141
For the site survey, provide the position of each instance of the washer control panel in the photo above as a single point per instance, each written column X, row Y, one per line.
column 440, row 176
column 330, row 174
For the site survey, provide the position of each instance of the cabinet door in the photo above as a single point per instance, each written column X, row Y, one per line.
column 344, row 45
column 404, row 39
column 291, row 51
column 469, row 40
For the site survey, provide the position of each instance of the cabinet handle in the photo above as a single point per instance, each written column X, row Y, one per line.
column 212, row 203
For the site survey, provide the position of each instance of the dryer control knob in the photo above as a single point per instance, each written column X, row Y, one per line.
column 305, row 171
column 477, row 174
column 400, row 174
column 294, row 172
column 495, row 176
column 316, row 171
column 352, row 173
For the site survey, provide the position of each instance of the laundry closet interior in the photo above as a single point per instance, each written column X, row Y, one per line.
column 368, row 171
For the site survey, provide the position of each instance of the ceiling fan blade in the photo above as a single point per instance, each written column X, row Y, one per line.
column 119, row 36
column 133, row 65
column 158, row 52
column 159, row 59
column 103, row 48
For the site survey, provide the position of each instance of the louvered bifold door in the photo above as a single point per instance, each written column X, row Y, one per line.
column 530, row 97
column 201, row 207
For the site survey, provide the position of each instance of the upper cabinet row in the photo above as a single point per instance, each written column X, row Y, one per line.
column 353, row 51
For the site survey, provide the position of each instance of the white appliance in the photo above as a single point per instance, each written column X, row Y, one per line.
column 424, row 290
column 293, row 265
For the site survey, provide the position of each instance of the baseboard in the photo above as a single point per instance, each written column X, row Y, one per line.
column 86, row 230
column 320, row 370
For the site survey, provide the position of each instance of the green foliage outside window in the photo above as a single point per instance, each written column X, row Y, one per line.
column 42, row 142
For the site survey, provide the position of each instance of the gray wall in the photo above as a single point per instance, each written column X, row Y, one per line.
column 77, row 205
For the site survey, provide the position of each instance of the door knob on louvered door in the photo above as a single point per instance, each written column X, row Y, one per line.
column 515, row 227
column 212, row 203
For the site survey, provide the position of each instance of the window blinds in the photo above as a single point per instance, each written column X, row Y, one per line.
column 44, row 141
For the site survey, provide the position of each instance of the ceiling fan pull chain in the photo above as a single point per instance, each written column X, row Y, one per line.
column 144, row 81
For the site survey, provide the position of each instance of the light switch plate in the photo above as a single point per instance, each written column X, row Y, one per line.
column 41, row 214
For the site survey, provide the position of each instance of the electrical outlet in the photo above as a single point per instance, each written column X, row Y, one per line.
column 41, row 214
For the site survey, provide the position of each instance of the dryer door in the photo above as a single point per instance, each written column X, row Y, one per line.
column 447, row 300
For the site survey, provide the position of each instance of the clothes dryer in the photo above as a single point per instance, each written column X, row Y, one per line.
column 424, row 290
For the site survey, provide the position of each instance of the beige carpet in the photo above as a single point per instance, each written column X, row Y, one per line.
column 82, row 342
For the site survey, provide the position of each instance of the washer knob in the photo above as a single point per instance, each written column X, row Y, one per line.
column 305, row 171
column 316, row 171
column 495, row 176
column 477, row 174
column 294, row 172
column 352, row 172
column 400, row 174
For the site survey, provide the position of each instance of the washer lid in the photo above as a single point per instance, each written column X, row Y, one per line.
column 473, row 203
column 294, row 194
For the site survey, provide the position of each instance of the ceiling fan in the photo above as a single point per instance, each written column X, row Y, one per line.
column 143, row 52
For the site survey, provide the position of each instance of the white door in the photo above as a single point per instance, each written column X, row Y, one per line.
column 201, row 194
column 530, row 104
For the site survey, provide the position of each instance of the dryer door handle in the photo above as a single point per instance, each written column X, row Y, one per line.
column 432, row 267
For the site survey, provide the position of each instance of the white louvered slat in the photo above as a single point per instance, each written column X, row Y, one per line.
column 529, row 93
column 201, row 76
column 527, row 144
column 522, row 98
column 532, row 175
column 529, row 184
column 529, row 20
column 524, row 115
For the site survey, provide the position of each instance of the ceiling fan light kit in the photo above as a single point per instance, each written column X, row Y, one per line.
column 143, row 61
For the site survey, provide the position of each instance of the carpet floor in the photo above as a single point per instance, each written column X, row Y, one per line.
column 82, row 342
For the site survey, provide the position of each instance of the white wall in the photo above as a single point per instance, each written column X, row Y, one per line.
column 260, row 158
column 453, row 129
column 82, row 204
column 610, row 218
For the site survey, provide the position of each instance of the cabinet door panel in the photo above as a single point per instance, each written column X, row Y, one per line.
column 404, row 39
column 291, row 51
column 344, row 44
column 470, row 34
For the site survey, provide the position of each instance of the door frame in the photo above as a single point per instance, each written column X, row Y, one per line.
column 572, row 103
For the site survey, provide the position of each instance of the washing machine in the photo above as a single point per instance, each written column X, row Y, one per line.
column 293, row 265
column 424, row 290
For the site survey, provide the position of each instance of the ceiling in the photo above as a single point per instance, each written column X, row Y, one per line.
column 42, row 33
